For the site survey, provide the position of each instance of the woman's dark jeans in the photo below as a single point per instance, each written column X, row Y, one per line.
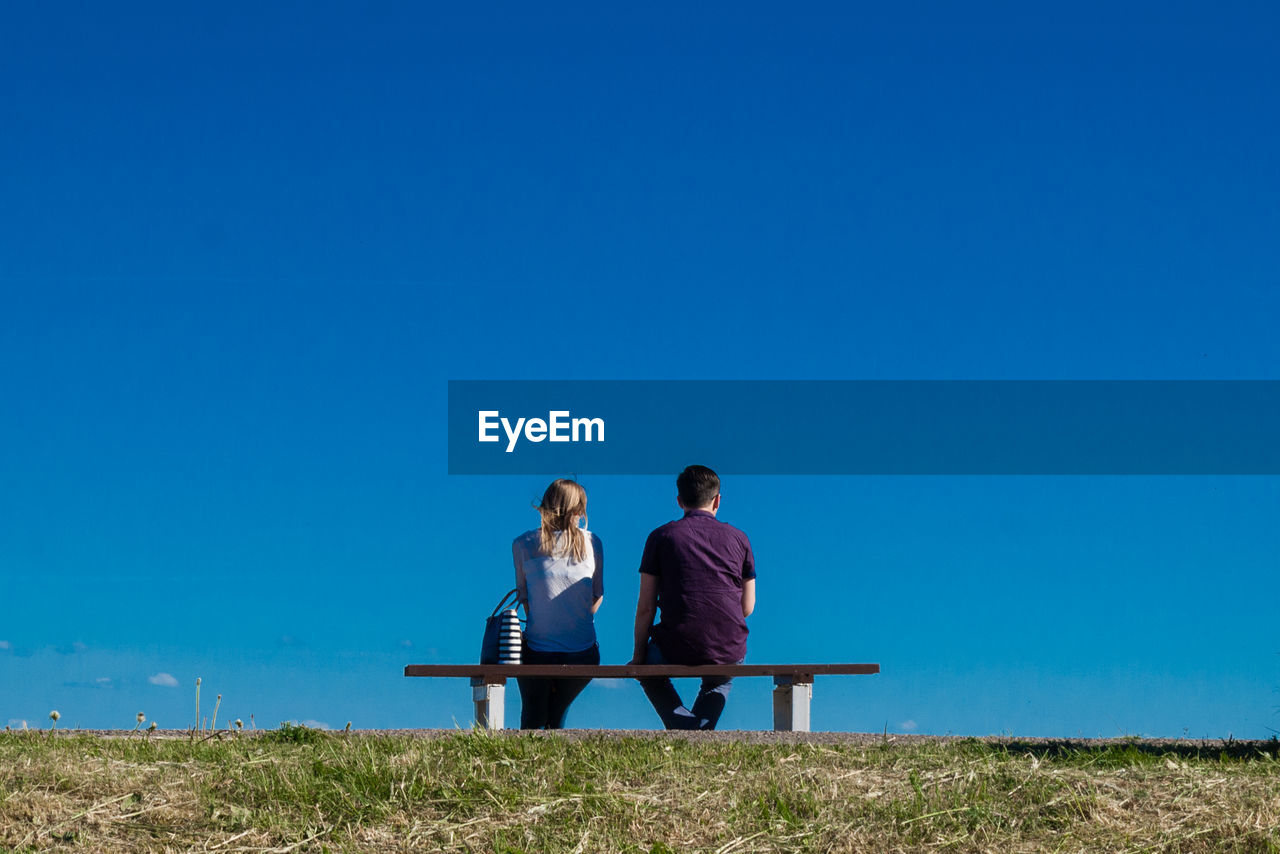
column 543, row 702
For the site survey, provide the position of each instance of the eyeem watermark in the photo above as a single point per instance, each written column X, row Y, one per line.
column 558, row 426
column 853, row 427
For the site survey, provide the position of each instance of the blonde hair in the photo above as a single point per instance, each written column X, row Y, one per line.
column 561, row 503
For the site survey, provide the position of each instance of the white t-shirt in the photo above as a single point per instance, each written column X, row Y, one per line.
column 558, row 593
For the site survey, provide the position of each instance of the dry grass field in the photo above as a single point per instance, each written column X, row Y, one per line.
column 301, row 790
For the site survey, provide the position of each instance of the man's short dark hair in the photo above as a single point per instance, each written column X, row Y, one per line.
column 697, row 486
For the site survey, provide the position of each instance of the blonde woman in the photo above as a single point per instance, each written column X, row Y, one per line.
column 560, row 582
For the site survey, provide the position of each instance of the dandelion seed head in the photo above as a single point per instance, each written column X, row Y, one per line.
column 54, row 715
column 141, row 717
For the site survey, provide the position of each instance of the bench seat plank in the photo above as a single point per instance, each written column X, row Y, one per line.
column 634, row 671
column 792, row 683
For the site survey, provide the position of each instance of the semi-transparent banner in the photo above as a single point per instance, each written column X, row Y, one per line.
column 864, row 427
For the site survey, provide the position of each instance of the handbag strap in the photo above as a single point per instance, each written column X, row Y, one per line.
column 512, row 599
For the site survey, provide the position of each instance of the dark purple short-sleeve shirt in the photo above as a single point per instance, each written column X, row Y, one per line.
column 701, row 564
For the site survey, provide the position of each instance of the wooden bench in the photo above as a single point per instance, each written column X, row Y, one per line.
column 792, row 683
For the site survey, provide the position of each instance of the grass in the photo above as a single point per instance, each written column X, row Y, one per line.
column 296, row 789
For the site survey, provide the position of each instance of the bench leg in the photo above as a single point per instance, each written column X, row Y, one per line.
column 791, row 704
column 490, row 700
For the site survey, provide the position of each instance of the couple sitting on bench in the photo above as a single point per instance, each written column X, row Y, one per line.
column 698, row 570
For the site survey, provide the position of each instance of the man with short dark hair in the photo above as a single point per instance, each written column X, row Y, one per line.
column 701, row 573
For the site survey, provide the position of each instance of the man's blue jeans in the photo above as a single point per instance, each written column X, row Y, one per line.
column 666, row 701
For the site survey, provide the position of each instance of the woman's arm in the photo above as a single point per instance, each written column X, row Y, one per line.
column 597, row 579
column 518, row 555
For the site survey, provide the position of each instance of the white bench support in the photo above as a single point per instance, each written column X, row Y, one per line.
column 791, row 695
column 490, row 700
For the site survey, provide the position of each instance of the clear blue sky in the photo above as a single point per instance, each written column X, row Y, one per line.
column 243, row 248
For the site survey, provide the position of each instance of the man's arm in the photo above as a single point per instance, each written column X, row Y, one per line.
column 748, row 597
column 748, row 580
column 646, row 610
